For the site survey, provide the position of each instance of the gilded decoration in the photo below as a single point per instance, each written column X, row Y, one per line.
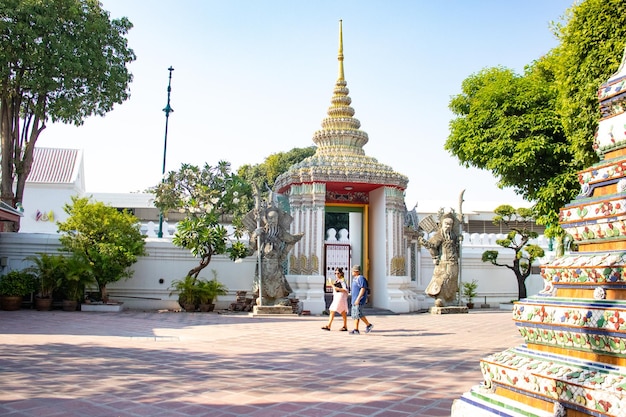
column 398, row 264
column 302, row 264
column 339, row 156
column 347, row 197
column 314, row 265
column 293, row 265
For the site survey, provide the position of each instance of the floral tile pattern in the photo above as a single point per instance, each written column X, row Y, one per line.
column 593, row 210
column 588, row 387
column 590, row 268
column 602, row 173
column 597, row 230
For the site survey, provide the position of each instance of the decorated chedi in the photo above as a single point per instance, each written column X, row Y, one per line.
column 574, row 360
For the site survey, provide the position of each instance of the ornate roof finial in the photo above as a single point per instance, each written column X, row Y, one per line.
column 340, row 157
column 340, row 56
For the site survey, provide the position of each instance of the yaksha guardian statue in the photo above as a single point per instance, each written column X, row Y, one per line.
column 269, row 233
column 444, row 249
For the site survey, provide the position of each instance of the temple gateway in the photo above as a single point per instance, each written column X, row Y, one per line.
column 339, row 183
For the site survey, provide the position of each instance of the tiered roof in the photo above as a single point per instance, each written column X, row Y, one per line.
column 340, row 160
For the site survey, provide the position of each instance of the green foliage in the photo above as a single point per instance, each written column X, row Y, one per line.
column 18, row 283
column 192, row 290
column 78, row 275
column 49, row 270
column 508, row 124
column 60, row 61
column 591, row 46
column 187, row 289
column 108, row 240
column 518, row 222
column 210, row 290
column 273, row 166
column 535, row 131
column 209, row 197
column 469, row 290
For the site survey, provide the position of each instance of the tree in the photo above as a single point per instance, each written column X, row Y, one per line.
column 592, row 42
column 535, row 131
column 517, row 221
column 508, row 125
column 273, row 166
column 108, row 240
column 60, row 61
column 209, row 197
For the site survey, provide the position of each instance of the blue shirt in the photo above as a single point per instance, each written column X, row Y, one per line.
column 358, row 283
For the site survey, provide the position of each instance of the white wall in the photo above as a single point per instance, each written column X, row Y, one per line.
column 377, row 251
column 167, row 262
column 45, row 199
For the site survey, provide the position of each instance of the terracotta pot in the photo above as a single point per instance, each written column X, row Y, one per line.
column 69, row 305
column 189, row 307
column 205, row 308
column 43, row 304
column 11, row 302
column 470, row 305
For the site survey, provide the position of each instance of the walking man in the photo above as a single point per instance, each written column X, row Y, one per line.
column 360, row 290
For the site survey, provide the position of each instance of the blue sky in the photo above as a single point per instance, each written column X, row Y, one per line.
column 255, row 77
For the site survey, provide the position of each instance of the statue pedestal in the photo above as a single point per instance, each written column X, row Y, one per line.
column 271, row 310
column 448, row 310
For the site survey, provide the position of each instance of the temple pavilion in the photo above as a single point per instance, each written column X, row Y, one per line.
column 341, row 179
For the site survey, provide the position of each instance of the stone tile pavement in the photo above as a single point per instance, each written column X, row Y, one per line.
column 135, row 364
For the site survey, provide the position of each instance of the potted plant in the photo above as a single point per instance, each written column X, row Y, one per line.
column 209, row 291
column 188, row 291
column 77, row 274
column 109, row 239
column 49, row 270
column 469, row 292
column 14, row 286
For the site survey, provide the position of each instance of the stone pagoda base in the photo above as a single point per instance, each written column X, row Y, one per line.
column 448, row 310
column 573, row 361
column 271, row 310
column 483, row 403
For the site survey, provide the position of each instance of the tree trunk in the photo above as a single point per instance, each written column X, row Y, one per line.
column 6, row 151
column 521, row 286
column 204, row 262
column 104, row 294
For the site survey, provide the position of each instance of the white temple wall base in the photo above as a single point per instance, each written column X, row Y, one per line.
column 398, row 296
column 309, row 289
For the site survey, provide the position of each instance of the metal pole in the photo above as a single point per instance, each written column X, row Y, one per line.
column 167, row 111
column 258, row 244
column 460, row 244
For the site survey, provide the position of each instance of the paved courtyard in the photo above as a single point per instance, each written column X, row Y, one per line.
column 135, row 363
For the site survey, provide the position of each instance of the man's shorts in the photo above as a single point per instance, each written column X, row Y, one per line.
column 357, row 312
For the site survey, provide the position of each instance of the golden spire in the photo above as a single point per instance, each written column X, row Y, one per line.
column 340, row 56
column 340, row 156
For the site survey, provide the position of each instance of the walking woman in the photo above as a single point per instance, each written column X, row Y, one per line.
column 340, row 301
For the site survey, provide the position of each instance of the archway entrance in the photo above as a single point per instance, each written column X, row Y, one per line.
column 345, row 244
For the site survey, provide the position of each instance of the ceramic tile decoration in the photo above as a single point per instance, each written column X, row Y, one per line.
column 573, row 362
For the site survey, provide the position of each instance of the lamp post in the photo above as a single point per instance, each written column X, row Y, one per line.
column 460, row 260
column 167, row 111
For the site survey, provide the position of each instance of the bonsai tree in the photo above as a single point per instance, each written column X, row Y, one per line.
column 209, row 197
column 108, row 240
column 469, row 291
column 518, row 222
